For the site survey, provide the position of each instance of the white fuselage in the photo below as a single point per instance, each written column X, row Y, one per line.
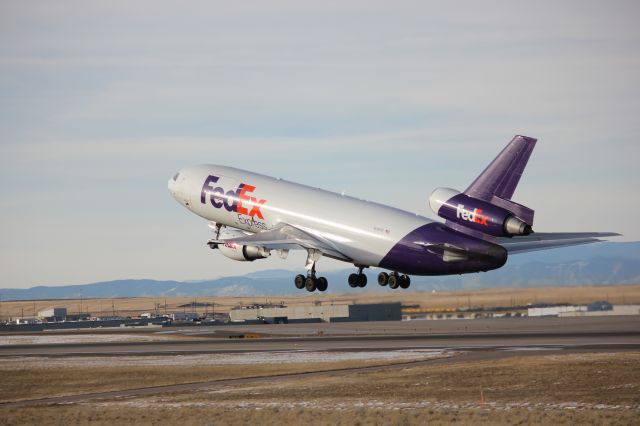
column 483, row 226
column 362, row 230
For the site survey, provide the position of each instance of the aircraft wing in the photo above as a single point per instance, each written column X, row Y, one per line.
column 545, row 241
column 289, row 237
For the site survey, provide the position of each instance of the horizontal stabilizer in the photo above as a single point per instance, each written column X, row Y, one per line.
column 543, row 241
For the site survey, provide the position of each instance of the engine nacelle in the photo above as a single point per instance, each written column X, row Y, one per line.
column 476, row 214
column 243, row 253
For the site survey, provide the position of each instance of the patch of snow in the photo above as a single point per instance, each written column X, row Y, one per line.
column 316, row 404
column 80, row 338
column 244, row 358
column 532, row 348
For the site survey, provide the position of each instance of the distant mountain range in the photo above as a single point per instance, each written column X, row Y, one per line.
column 597, row 264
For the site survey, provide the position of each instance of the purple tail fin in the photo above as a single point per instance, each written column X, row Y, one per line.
column 497, row 183
column 501, row 177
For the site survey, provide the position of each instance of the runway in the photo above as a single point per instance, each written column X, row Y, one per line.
column 611, row 333
column 457, row 342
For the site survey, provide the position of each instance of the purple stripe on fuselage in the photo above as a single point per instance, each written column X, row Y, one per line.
column 408, row 257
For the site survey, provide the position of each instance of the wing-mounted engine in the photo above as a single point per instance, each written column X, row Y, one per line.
column 477, row 214
column 243, row 253
column 224, row 242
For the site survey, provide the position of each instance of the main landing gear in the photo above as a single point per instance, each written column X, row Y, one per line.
column 359, row 279
column 311, row 282
column 394, row 280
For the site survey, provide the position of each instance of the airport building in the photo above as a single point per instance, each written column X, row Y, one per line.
column 615, row 310
column 53, row 314
column 554, row 311
column 410, row 313
column 318, row 312
column 595, row 309
column 184, row 316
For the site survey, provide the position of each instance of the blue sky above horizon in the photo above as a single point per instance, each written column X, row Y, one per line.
column 102, row 102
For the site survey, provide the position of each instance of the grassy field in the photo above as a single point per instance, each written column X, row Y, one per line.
column 552, row 389
column 32, row 382
column 621, row 294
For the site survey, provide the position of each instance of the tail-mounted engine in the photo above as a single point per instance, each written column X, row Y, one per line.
column 476, row 214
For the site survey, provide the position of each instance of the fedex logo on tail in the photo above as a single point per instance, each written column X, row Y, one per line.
column 474, row 216
column 235, row 200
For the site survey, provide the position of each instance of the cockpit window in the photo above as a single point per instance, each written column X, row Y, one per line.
column 175, row 178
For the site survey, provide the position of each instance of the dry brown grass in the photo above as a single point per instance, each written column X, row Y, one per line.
column 89, row 414
column 621, row 294
column 42, row 382
column 600, row 378
column 556, row 389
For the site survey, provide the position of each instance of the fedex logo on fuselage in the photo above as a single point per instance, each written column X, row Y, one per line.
column 231, row 200
column 474, row 216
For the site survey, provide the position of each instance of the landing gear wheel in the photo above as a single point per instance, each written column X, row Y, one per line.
column 405, row 281
column 362, row 280
column 322, row 284
column 299, row 281
column 383, row 278
column 394, row 281
column 353, row 280
column 310, row 284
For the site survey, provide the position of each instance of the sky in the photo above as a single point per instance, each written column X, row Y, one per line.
column 102, row 102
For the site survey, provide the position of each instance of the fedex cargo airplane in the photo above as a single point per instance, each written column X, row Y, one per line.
column 253, row 215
